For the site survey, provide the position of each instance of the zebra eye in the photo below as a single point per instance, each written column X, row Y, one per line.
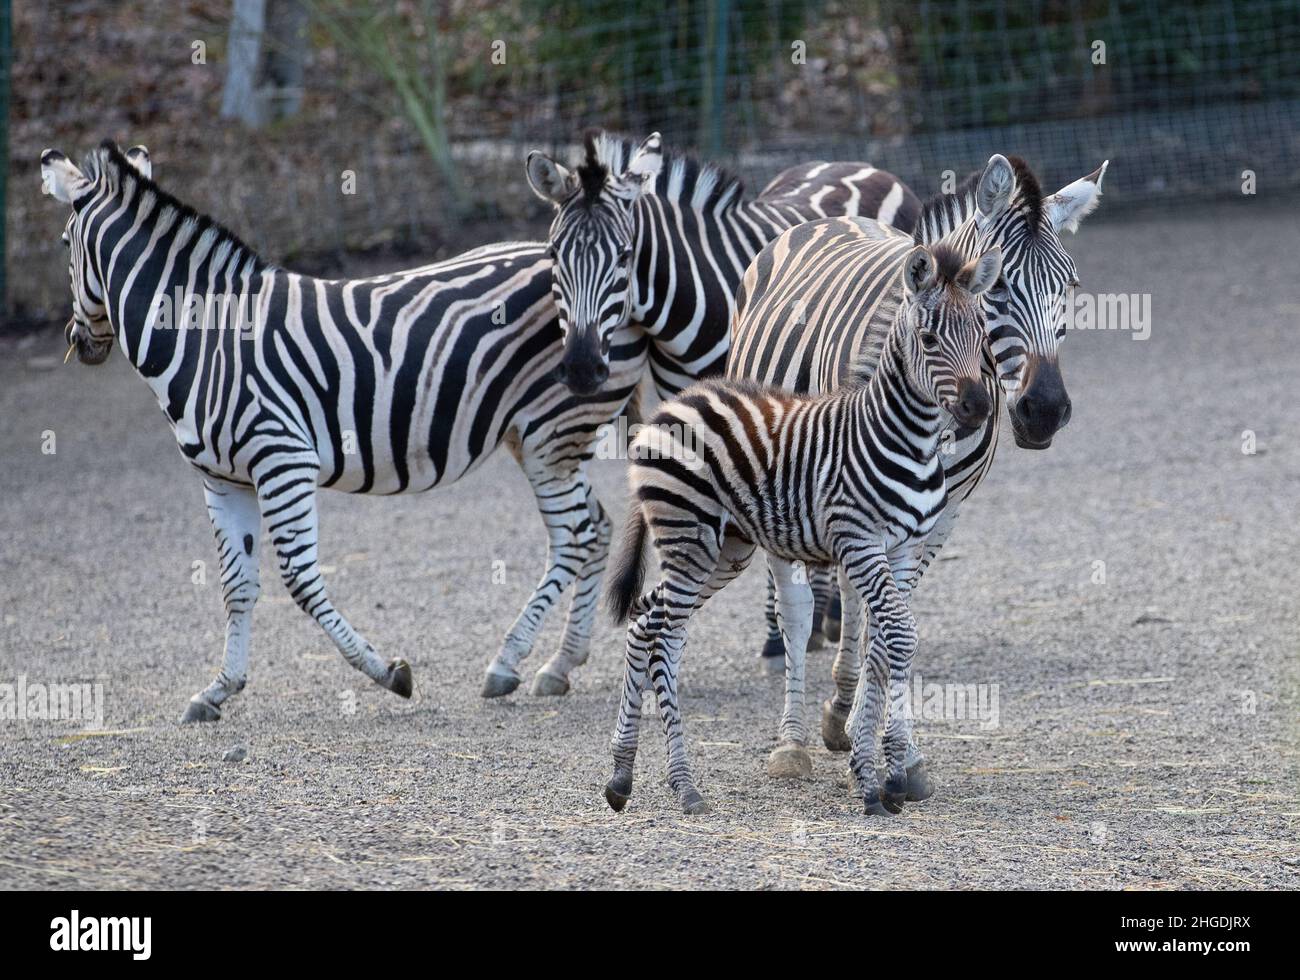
column 929, row 338
column 67, row 242
column 551, row 252
column 625, row 252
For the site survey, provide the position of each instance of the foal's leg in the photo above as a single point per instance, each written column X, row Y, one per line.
column 795, row 604
column 772, row 657
column 893, row 642
column 288, row 501
column 236, row 521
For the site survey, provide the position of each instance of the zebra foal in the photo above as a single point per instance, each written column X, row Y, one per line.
column 851, row 478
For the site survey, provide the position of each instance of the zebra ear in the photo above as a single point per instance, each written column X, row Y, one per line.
column 996, row 184
column 919, row 269
column 60, row 178
column 138, row 157
column 1074, row 202
column 647, row 159
column 978, row 275
column 549, row 180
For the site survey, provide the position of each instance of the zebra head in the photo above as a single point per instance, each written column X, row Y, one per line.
column 592, row 247
column 89, row 330
column 1029, row 307
column 943, row 314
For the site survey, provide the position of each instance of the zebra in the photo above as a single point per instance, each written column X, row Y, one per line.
column 851, row 477
column 277, row 384
column 645, row 236
column 817, row 301
column 662, row 240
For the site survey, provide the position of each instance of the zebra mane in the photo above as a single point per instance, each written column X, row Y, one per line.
column 108, row 163
column 943, row 213
column 702, row 185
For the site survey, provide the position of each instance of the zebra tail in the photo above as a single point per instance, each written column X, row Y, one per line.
column 629, row 567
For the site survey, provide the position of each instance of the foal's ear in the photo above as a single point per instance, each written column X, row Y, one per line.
column 979, row 274
column 138, row 157
column 60, row 178
column 549, row 180
column 919, row 270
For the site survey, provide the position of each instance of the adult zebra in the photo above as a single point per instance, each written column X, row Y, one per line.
column 276, row 384
column 820, row 297
column 662, row 240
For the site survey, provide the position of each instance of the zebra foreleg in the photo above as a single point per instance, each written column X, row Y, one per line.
column 553, row 678
column 289, row 509
column 236, row 522
column 795, row 606
column 835, row 710
column 571, row 538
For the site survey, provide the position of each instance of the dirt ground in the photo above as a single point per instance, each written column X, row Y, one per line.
column 1146, row 706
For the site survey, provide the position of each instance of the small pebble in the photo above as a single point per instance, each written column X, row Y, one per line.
column 236, row 754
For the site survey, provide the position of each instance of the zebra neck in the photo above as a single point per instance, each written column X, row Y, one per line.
column 896, row 409
column 693, row 258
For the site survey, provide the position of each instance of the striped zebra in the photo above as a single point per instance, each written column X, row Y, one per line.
column 851, row 477
column 818, row 301
column 662, row 240
column 277, row 384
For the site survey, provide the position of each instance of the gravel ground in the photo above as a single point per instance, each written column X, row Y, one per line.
column 1147, row 723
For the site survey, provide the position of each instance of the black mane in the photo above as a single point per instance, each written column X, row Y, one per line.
column 1028, row 197
column 108, row 160
column 606, row 153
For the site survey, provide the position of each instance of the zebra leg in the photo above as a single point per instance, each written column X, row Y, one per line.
column 553, row 678
column 572, row 537
column 893, row 641
column 289, row 508
column 832, row 615
column 820, row 579
column 795, row 605
column 644, row 623
column 835, row 710
column 236, row 522
column 772, row 659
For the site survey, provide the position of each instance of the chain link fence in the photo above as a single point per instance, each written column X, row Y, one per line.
column 402, row 139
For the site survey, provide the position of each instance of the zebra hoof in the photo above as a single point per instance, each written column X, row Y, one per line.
column 834, row 735
column 549, row 685
column 693, row 804
column 200, row 710
column 774, row 650
column 789, row 760
column 399, row 678
column 893, row 794
column 919, row 785
column 816, row 640
column 876, row 808
column 497, row 685
column 617, row 792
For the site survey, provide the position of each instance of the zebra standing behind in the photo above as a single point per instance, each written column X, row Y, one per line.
column 662, row 240
column 851, row 478
column 659, row 239
column 266, row 377
column 816, row 306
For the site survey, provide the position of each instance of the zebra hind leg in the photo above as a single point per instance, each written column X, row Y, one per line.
column 644, row 623
column 236, row 522
column 289, row 506
column 772, row 656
